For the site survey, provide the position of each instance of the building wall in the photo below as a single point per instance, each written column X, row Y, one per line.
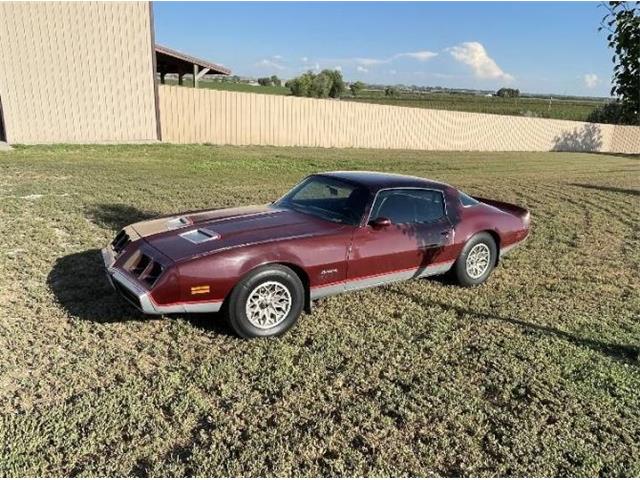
column 77, row 72
column 190, row 115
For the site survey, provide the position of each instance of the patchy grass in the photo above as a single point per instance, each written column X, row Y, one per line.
column 535, row 373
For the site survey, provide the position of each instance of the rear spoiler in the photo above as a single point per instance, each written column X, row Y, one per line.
column 520, row 212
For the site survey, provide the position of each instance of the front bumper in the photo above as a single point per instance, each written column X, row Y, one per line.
column 141, row 298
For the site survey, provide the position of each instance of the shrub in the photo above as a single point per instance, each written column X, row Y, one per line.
column 508, row 93
column 275, row 81
column 301, row 86
column 391, row 91
column 356, row 88
column 322, row 85
column 612, row 112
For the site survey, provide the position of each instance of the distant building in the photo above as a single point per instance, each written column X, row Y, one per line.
column 84, row 72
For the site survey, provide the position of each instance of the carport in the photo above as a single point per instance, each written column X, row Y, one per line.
column 170, row 61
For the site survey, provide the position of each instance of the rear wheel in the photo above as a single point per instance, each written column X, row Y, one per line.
column 266, row 303
column 476, row 261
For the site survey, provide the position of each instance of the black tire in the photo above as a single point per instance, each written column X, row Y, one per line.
column 461, row 270
column 268, row 275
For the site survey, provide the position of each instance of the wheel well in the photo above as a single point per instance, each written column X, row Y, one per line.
column 496, row 239
column 304, row 278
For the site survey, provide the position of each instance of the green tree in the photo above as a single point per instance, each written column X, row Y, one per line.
column 275, row 81
column 391, row 91
column 264, row 81
column 322, row 85
column 337, row 87
column 301, row 86
column 611, row 112
column 356, row 88
column 622, row 21
column 508, row 93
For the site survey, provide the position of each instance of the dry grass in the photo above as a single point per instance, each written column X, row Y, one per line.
column 535, row 373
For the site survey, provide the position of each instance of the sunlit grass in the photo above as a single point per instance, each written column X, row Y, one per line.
column 535, row 373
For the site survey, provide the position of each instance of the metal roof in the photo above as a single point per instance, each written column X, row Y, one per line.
column 172, row 61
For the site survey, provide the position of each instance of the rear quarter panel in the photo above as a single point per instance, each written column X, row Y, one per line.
column 508, row 227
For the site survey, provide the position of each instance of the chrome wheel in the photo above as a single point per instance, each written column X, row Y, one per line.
column 478, row 260
column 268, row 305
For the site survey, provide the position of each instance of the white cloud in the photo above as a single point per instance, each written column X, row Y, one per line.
column 305, row 59
column 368, row 62
column 591, row 80
column 277, row 57
column 360, row 68
column 475, row 56
column 393, row 72
column 421, row 56
column 338, row 68
column 266, row 63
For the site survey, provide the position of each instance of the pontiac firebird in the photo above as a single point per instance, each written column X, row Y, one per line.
column 332, row 233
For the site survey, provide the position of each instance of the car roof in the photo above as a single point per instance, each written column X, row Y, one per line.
column 380, row 180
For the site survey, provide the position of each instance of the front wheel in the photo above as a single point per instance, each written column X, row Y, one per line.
column 266, row 303
column 476, row 261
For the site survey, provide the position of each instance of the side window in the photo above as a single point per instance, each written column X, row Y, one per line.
column 467, row 201
column 409, row 206
column 429, row 206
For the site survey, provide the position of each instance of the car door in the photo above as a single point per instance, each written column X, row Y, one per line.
column 407, row 247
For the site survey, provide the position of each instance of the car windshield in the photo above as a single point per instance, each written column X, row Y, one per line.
column 327, row 198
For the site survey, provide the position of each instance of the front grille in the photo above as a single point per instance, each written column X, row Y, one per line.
column 146, row 270
column 121, row 241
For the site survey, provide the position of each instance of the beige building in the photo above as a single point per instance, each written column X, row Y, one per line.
column 77, row 72
column 83, row 72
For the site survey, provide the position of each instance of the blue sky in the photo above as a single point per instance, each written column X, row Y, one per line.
column 536, row 47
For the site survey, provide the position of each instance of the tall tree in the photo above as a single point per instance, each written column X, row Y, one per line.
column 356, row 88
column 622, row 21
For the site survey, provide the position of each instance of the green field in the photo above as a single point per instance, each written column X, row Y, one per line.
column 524, row 106
column 535, row 373
column 563, row 109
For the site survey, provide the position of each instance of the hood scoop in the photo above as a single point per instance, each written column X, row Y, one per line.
column 200, row 235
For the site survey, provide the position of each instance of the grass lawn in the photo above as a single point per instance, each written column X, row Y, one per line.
column 535, row 373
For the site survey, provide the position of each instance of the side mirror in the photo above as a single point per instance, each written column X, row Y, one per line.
column 380, row 222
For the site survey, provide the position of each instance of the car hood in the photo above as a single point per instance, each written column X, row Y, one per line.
column 196, row 233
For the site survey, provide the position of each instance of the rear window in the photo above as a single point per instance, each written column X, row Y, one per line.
column 467, row 201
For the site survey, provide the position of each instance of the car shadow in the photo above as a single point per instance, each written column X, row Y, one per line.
column 114, row 216
column 625, row 353
column 79, row 283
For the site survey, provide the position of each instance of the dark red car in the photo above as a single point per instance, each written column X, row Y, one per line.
column 332, row 233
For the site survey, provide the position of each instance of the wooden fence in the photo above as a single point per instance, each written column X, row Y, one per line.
column 190, row 115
